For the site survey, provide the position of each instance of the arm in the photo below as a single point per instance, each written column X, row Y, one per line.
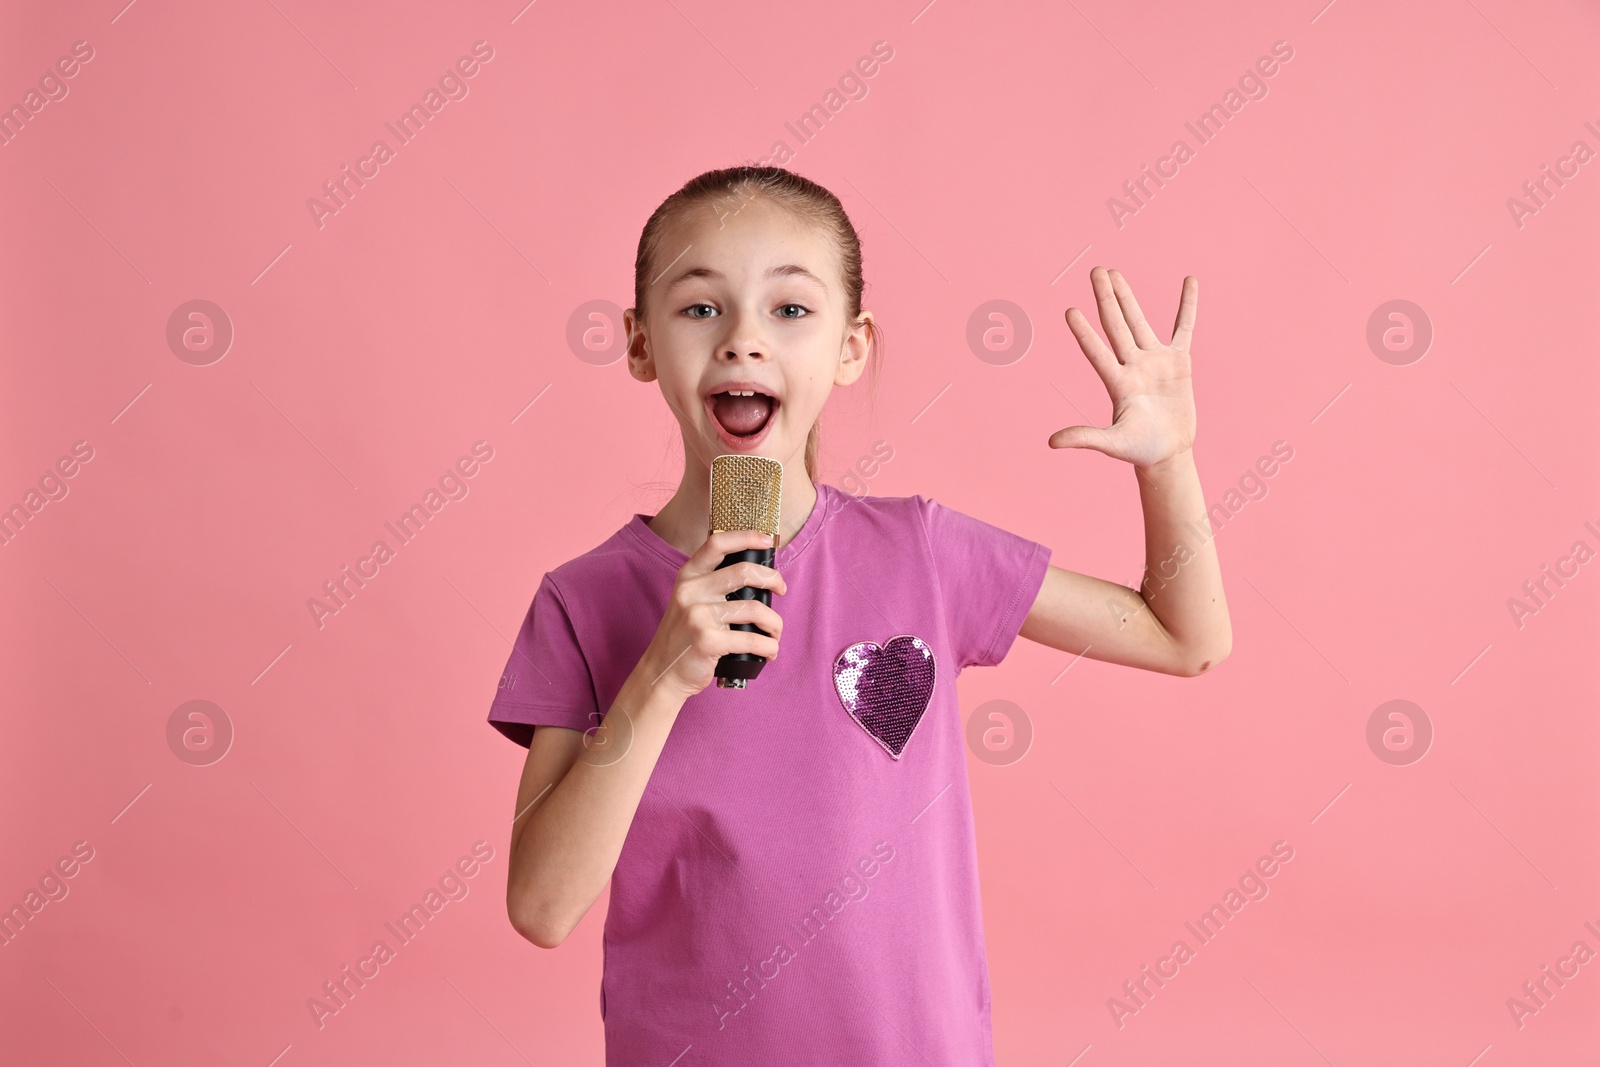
column 575, row 804
column 1176, row 622
column 577, row 800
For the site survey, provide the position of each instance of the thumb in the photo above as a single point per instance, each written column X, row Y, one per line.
column 1082, row 437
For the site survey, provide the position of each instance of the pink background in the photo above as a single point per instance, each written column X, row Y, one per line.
column 369, row 354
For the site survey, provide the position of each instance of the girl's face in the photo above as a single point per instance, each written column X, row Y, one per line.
column 746, row 298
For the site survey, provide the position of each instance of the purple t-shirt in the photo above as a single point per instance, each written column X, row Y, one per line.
column 800, row 883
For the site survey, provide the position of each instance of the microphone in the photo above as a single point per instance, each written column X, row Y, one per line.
column 745, row 495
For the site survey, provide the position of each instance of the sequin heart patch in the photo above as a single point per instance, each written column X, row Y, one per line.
column 886, row 688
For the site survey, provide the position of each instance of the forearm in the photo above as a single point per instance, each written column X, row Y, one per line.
column 566, row 844
column 1182, row 583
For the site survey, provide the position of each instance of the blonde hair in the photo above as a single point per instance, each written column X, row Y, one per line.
column 808, row 201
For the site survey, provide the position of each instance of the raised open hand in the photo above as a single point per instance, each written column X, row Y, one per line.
column 1152, row 395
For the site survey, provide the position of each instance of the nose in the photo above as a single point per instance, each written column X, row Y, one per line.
column 743, row 339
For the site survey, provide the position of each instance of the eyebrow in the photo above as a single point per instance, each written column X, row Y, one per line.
column 787, row 270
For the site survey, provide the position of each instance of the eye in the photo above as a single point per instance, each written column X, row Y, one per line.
column 693, row 307
column 799, row 307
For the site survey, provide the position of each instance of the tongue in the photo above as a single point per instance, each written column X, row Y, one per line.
column 742, row 415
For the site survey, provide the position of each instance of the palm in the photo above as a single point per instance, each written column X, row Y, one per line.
column 1152, row 395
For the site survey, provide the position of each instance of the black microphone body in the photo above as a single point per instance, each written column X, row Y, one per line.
column 745, row 665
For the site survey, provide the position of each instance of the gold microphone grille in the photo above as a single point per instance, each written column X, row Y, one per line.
column 746, row 493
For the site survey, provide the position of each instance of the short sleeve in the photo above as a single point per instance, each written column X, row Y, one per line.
column 988, row 580
column 546, row 681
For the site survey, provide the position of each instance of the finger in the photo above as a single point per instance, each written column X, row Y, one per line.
column 722, row 544
column 719, row 583
column 754, row 576
column 1102, row 359
column 1143, row 335
column 1097, row 438
column 751, row 611
column 745, row 641
column 1188, row 304
column 723, row 642
column 1111, row 319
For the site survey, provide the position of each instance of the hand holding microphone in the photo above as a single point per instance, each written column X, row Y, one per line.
column 696, row 631
column 719, row 622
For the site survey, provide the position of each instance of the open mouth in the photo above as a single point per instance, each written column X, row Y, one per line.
column 743, row 414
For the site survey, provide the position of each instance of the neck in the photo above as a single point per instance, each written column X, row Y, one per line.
column 684, row 521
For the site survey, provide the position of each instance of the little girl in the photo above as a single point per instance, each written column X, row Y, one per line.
column 793, row 868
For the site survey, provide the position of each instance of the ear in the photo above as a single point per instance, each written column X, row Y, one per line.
column 853, row 352
column 641, row 364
